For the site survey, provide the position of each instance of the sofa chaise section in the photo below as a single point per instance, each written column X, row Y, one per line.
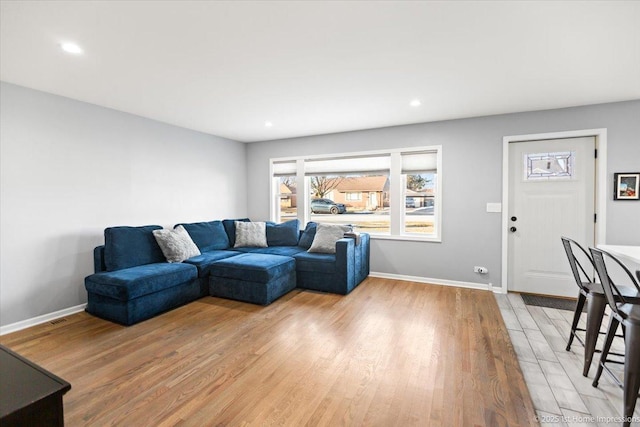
column 133, row 281
column 138, row 293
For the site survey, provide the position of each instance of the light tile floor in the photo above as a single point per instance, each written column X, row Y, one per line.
column 560, row 394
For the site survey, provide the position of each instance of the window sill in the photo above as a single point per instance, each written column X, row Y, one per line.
column 406, row 237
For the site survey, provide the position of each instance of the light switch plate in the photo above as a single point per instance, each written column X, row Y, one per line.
column 494, row 207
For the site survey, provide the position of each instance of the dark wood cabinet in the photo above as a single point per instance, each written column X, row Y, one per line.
column 29, row 394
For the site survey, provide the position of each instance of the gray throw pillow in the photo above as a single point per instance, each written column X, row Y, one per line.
column 176, row 244
column 251, row 234
column 326, row 237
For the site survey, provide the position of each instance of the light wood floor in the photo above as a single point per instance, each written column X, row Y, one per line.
column 390, row 353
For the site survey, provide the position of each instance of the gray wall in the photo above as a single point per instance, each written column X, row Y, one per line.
column 472, row 176
column 70, row 169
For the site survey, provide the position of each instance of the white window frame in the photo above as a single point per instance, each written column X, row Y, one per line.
column 353, row 196
column 396, row 191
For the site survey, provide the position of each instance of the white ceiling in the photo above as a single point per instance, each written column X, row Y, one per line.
column 225, row 68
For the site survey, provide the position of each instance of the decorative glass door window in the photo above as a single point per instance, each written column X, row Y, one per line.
column 549, row 166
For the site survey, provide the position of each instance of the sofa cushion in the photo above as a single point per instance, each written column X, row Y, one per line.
column 176, row 244
column 208, row 236
column 251, row 234
column 273, row 250
column 144, row 307
column 230, row 227
column 306, row 239
column 131, row 246
column 285, row 234
column 130, row 283
column 204, row 261
column 326, row 237
column 259, row 268
column 315, row 262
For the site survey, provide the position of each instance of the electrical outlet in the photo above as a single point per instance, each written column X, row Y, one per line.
column 481, row 270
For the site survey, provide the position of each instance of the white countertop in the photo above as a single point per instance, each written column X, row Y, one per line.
column 625, row 253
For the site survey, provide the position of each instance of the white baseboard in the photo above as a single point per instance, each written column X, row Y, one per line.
column 469, row 285
column 18, row 326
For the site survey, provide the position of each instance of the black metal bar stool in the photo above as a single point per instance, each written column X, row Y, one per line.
column 628, row 315
column 590, row 293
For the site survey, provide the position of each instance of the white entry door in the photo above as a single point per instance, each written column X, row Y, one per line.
column 551, row 194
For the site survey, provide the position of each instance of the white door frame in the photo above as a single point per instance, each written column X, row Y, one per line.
column 600, row 186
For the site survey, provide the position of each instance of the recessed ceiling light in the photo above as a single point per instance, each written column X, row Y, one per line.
column 71, row 48
column 415, row 103
column 268, row 124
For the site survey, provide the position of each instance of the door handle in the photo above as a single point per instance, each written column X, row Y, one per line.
column 513, row 229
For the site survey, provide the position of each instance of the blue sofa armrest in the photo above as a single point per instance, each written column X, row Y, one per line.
column 98, row 260
column 362, row 255
column 345, row 262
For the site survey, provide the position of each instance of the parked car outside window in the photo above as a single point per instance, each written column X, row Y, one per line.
column 327, row 206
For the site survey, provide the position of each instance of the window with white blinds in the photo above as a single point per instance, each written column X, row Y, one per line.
column 393, row 194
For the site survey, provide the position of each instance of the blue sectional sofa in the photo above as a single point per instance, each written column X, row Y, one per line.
column 133, row 282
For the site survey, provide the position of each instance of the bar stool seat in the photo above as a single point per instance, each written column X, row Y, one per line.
column 632, row 311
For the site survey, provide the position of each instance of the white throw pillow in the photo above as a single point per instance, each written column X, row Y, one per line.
column 176, row 244
column 326, row 237
column 251, row 234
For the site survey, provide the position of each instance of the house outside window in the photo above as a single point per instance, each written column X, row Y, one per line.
column 286, row 198
column 392, row 194
column 365, row 210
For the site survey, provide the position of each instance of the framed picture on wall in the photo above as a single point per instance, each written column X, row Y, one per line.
column 625, row 186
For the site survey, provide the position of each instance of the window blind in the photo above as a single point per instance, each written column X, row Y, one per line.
column 348, row 165
column 421, row 162
column 287, row 168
